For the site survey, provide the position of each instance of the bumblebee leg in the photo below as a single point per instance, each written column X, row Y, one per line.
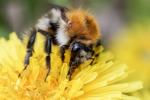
column 72, row 64
column 62, row 52
column 29, row 47
column 92, row 62
column 93, row 59
column 98, row 44
column 48, row 51
column 71, row 69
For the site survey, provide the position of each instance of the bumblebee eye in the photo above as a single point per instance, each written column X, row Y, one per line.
column 76, row 47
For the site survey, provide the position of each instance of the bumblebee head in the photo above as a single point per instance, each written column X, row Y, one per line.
column 80, row 53
column 84, row 33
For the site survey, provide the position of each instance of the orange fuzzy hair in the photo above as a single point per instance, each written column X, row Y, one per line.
column 84, row 25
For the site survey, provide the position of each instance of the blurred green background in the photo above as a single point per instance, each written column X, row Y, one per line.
column 113, row 15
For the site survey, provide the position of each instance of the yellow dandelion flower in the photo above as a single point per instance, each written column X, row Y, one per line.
column 100, row 81
column 134, row 49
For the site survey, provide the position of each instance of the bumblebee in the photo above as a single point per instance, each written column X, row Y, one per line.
column 72, row 29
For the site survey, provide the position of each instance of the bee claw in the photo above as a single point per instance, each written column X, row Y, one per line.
column 19, row 75
column 45, row 78
column 69, row 75
column 25, row 67
column 47, row 75
column 71, row 70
